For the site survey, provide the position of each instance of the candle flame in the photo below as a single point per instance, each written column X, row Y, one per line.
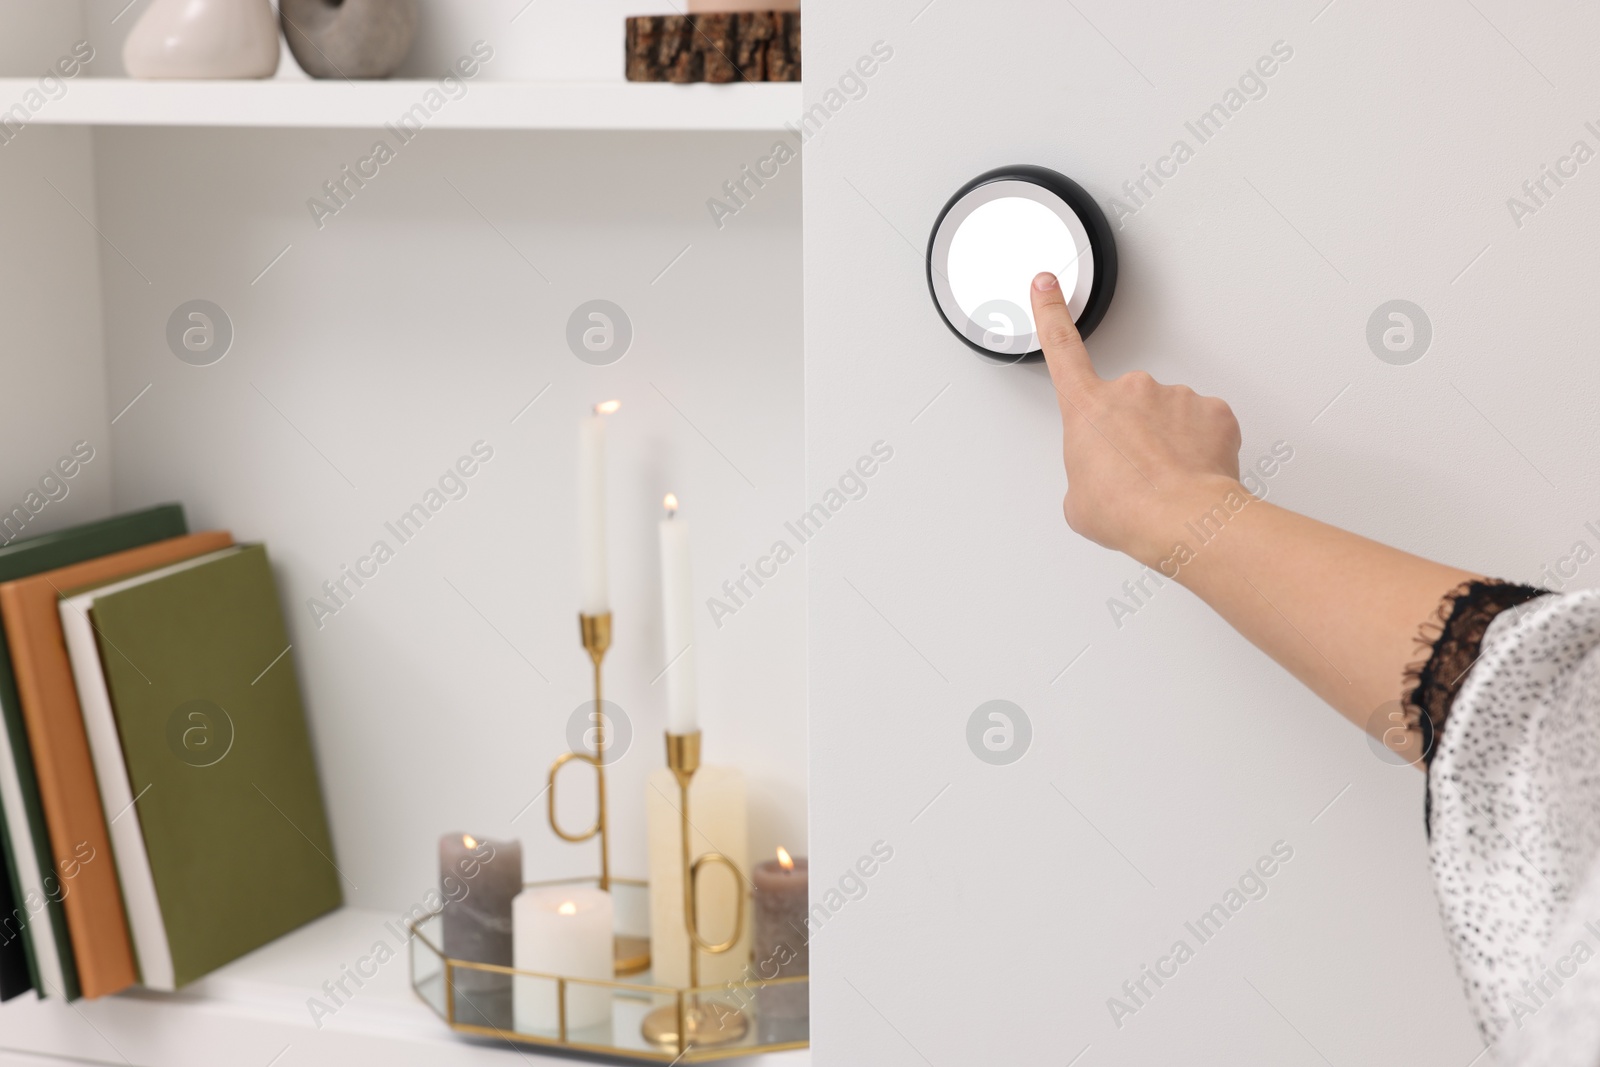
column 784, row 859
column 569, row 908
column 469, row 841
column 608, row 407
column 670, row 502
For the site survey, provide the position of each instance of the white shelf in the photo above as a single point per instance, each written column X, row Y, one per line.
column 250, row 1010
column 487, row 105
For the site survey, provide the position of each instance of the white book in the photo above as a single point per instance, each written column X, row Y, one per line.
column 139, row 899
column 39, row 928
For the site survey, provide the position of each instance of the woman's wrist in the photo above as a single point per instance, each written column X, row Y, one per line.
column 1186, row 520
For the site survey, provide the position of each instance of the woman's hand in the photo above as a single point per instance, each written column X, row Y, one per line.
column 1142, row 458
column 1145, row 464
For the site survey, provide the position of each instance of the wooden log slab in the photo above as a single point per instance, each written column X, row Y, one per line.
column 751, row 46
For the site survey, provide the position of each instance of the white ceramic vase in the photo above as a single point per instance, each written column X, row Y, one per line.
column 203, row 39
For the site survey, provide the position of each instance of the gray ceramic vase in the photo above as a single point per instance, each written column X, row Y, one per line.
column 349, row 38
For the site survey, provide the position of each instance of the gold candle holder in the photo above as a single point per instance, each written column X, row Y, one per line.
column 689, row 1023
column 632, row 954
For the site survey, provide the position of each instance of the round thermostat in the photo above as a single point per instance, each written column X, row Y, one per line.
column 995, row 235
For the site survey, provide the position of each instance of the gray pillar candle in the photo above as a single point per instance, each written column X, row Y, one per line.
column 781, row 947
column 478, row 879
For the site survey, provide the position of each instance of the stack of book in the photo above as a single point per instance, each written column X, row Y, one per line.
column 160, row 813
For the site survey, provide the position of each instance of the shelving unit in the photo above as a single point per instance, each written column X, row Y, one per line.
column 486, row 105
column 446, row 284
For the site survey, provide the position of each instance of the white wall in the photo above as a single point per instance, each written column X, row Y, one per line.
column 375, row 352
column 541, row 41
column 36, row 33
column 54, row 392
column 1171, row 755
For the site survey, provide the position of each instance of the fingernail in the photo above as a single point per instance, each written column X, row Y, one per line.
column 1044, row 282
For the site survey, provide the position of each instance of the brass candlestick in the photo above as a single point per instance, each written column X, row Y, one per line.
column 596, row 633
column 632, row 954
column 688, row 1023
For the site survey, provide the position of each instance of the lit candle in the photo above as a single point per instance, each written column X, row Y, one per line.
column 677, row 622
column 781, row 946
column 478, row 880
column 593, row 598
column 567, row 931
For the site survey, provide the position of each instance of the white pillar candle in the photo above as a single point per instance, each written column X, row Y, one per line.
column 593, row 596
column 567, row 931
column 677, row 622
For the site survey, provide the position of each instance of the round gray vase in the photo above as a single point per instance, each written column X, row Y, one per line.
column 349, row 38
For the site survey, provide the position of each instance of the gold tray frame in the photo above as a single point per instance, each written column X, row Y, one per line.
column 681, row 999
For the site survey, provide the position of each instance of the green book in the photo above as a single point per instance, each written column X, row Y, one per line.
column 202, row 684
column 16, row 974
column 37, row 890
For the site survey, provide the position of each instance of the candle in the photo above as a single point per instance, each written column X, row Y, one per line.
column 593, row 595
column 478, row 880
column 781, row 948
column 717, row 824
column 567, row 931
column 780, row 917
column 677, row 621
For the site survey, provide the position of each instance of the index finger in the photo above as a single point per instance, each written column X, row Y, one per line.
column 1070, row 368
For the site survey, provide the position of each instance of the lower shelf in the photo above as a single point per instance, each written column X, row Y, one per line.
column 252, row 1009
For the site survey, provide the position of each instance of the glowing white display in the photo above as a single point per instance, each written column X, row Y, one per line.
column 997, row 250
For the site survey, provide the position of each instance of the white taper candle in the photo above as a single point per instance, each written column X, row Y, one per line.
column 593, row 595
column 677, row 622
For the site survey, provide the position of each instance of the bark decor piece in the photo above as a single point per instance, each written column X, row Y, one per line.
column 751, row 46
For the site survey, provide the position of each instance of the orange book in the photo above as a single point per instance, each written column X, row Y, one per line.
column 101, row 946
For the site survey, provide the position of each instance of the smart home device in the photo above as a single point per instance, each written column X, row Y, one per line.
column 1000, row 230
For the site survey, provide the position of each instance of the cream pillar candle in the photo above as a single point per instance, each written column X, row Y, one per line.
column 717, row 812
column 563, row 930
column 593, row 594
column 677, row 621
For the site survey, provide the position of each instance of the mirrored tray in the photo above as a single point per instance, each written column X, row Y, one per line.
column 607, row 1017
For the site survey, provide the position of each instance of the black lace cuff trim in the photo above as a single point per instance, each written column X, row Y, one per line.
column 1448, row 645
